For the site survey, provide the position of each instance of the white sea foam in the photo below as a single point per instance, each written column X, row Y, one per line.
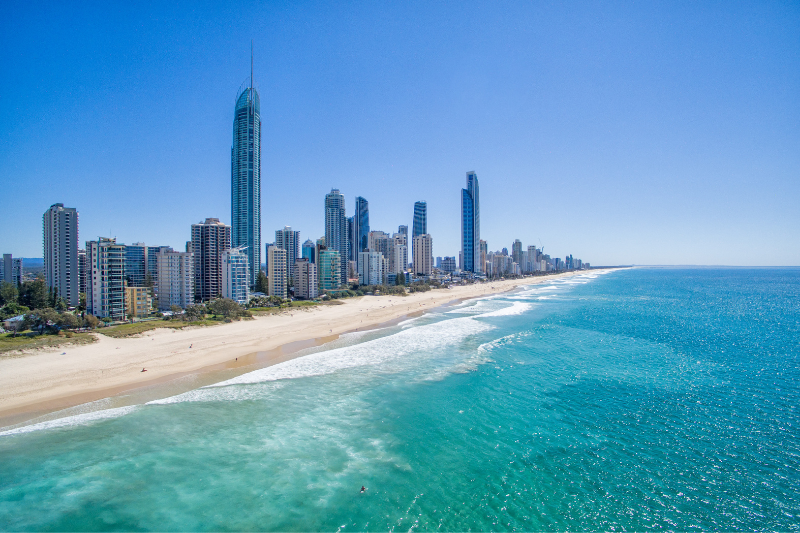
column 516, row 308
column 70, row 421
column 221, row 394
column 389, row 353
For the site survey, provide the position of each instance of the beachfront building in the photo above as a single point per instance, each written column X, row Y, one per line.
column 82, row 271
column 105, row 294
column 306, row 286
column 423, row 255
column 235, row 275
column 309, row 251
column 336, row 234
column 60, row 242
column 210, row 239
column 359, row 240
column 175, row 279
column 135, row 264
column 471, row 226
column 370, row 268
column 246, row 176
column 329, row 269
column 277, row 273
column 289, row 240
column 420, row 223
column 138, row 301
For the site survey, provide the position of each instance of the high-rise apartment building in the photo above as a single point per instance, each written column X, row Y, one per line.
column 11, row 270
column 448, row 264
column 471, row 226
column 175, row 279
column 336, row 236
column 423, row 255
column 398, row 253
column 370, row 268
column 105, row 295
column 306, row 286
column 83, row 275
column 136, row 264
column 309, row 251
column 420, row 226
column 210, row 239
column 60, row 240
column 246, row 176
column 289, row 240
column 235, row 275
column 484, row 251
column 403, row 230
column 277, row 273
column 516, row 251
column 329, row 269
column 379, row 241
column 360, row 238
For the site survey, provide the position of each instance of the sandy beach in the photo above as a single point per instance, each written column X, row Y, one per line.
column 31, row 384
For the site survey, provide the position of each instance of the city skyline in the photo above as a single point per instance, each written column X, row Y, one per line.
column 628, row 154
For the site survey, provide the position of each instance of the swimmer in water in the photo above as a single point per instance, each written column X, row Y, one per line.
column 363, row 488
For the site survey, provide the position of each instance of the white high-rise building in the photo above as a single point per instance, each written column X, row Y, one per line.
column 175, row 284
column 370, row 268
column 105, row 284
column 60, row 240
column 306, row 285
column 336, row 234
column 289, row 240
column 398, row 253
column 423, row 254
column 236, row 275
column 277, row 272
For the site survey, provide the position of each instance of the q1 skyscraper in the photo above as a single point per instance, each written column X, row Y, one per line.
column 471, row 226
column 246, row 175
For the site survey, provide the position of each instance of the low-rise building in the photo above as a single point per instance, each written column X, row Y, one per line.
column 138, row 301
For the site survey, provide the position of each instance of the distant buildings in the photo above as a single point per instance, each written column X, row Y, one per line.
column 246, row 177
column 471, row 226
column 336, row 235
column 484, row 249
column 329, row 267
column 289, row 240
column 210, row 239
column 306, row 286
column 11, row 270
column 360, row 228
column 277, row 272
column 60, row 240
column 516, row 251
column 175, row 279
column 309, row 251
column 236, row 275
column 423, row 255
column 105, row 295
column 448, row 264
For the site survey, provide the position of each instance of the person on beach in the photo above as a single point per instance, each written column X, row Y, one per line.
column 144, row 370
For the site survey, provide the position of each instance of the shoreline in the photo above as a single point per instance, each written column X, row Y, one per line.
column 47, row 382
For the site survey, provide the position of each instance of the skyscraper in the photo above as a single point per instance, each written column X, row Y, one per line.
column 471, row 226
column 105, row 295
column 336, row 237
column 60, row 240
column 308, row 251
column 361, row 226
column 235, row 275
column 246, row 176
column 209, row 240
column 420, row 219
column 289, row 240
column 516, row 251
column 135, row 264
column 423, row 255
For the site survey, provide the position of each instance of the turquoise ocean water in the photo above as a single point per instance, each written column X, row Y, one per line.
column 638, row 399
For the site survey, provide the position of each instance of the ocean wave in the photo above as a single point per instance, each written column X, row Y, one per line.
column 221, row 394
column 516, row 308
column 71, row 421
column 391, row 353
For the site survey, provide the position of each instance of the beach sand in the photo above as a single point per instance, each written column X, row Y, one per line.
column 44, row 381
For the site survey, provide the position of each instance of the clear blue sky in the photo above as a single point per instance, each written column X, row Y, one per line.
column 638, row 132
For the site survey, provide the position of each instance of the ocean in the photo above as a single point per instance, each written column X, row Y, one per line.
column 633, row 400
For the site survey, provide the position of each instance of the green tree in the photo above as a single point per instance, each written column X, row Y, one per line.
column 82, row 302
column 400, row 279
column 195, row 312
column 12, row 309
column 225, row 307
column 262, row 282
column 91, row 321
column 43, row 318
column 68, row 321
column 8, row 293
column 33, row 294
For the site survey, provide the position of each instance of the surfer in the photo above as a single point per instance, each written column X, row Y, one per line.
column 363, row 488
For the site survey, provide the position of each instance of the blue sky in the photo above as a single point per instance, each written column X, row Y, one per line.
column 619, row 132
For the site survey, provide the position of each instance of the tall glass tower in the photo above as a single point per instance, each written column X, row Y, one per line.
column 246, row 176
column 336, row 234
column 360, row 229
column 471, row 226
column 420, row 226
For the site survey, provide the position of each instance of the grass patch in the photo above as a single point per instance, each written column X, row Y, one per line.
column 34, row 341
column 135, row 328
